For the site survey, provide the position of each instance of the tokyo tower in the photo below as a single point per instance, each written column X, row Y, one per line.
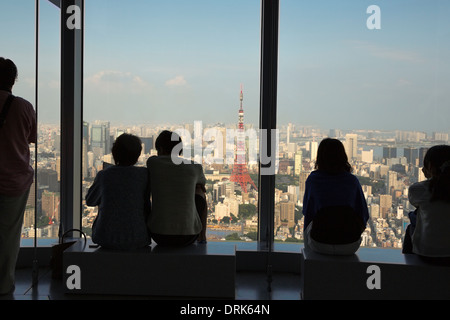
column 240, row 173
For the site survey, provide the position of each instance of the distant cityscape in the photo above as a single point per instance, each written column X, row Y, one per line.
column 386, row 163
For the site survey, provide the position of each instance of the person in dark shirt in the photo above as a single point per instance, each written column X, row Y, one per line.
column 122, row 195
column 334, row 207
column 17, row 131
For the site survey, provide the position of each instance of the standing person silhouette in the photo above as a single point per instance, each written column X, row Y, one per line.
column 18, row 129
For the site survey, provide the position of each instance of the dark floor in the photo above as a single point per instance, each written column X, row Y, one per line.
column 249, row 286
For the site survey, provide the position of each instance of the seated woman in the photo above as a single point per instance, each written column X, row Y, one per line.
column 428, row 234
column 179, row 210
column 334, row 208
column 122, row 195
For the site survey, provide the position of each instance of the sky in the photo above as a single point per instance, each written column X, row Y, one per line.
column 178, row 61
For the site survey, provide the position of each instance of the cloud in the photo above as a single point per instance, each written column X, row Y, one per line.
column 403, row 82
column 387, row 53
column 178, row 81
column 111, row 80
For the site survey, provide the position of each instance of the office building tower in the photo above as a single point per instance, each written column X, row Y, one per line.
column 351, row 145
column 374, row 211
column 411, row 155
column 385, row 205
column 148, row 144
column 389, row 152
column 367, row 156
column 298, row 162
column 314, row 146
column 100, row 139
column 50, row 206
column 48, row 179
column 301, row 183
column 391, row 181
column 287, row 209
column 422, row 152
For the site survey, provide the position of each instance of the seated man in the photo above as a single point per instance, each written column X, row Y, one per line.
column 177, row 186
column 122, row 195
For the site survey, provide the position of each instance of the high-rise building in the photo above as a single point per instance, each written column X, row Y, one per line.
column 411, row 155
column 301, row 184
column 385, row 205
column 50, row 205
column 314, row 146
column 100, row 138
column 367, row 156
column 298, row 162
column 389, row 152
column 148, row 144
column 391, row 181
column 351, row 145
column 287, row 210
column 422, row 152
column 375, row 211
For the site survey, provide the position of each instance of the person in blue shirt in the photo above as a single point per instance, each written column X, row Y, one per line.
column 334, row 207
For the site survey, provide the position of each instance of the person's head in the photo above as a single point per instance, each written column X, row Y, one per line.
column 8, row 74
column 166, row 142
column 436, row 166
column 331, row 157
column 126, row 149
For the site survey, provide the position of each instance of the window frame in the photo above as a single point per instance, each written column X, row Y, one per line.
column 72, row 53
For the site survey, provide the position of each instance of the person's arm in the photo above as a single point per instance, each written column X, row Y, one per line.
column 307, row 205
column 93, row 196
column 201, row 182
column 417, row 193
column 32, row 136
column 361, row 203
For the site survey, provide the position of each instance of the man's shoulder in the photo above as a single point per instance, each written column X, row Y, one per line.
column 23, row 102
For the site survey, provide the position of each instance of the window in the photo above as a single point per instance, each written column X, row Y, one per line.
column 19, row 45
column 182, row 66
column 382, row 92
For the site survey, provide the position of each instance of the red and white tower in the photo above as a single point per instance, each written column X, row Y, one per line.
column 240, row 173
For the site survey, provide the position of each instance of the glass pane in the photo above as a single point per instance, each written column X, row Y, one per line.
column 19, row 46
column 375, row 78
column 48, row 170
column 181, row 66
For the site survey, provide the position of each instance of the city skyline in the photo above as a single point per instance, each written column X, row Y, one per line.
column 387, row 202
column 173, row 62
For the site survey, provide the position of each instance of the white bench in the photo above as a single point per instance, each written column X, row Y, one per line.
column 372, row 273
column 199, row 270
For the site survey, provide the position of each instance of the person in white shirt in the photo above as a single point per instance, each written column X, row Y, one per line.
column 178, row 215
column 428, row 234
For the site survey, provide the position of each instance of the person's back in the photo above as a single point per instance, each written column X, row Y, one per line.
column 18, row 131
column 121, row 193
column 333, row 190
column 432, row 235
column 179, row 207
column 325, row 189
column 173, row 196
column 428, row 234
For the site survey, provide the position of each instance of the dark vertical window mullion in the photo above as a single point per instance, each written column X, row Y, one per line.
column 268, row 111
column 71, row 117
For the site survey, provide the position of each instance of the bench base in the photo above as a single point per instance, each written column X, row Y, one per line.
column 199, row 270
column 372, row 273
